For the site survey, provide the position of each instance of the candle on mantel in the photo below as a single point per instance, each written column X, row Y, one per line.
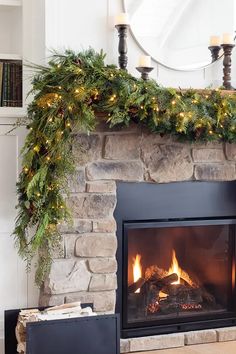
column 214, row 41
column 228, row 38
column 144, row 61
column 122, row 19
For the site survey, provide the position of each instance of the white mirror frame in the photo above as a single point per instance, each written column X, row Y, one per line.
column 164, row 65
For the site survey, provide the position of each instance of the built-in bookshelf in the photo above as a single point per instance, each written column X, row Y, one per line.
column 11, row 54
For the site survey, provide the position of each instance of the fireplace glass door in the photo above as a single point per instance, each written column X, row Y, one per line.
column 177, row 270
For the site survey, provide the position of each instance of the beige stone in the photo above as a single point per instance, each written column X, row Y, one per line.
column 212, row 348
column 69, row 244
column 215, row 172
column 230, row 151
column 208, row 155
column 124, row 345
column 103, row 301
column 87, row 148
column 77, row 181
column 67, row 276
column 92, row 205
column 168, row 163
column 122, row 147
column 102, row 265
column 226, row 334
column 120, row 170
column 50, row 300
column 77, row 226
column 157, row 342
column 199, row 337
column 96, row 245
column 101, row 282
column 104, row 225
column 101, row 187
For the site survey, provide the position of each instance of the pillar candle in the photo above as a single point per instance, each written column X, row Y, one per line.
column 214, row 41
column 228, row 38
column 122, row 19
column 144, row 61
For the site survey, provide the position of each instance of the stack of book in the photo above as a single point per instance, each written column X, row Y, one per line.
column 10, row 83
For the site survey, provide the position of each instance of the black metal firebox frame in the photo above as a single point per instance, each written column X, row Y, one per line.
column 180, row 204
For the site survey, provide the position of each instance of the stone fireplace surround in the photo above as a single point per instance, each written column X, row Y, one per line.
column 84, row 267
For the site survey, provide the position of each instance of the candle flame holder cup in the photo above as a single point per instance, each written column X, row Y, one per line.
column 144, row 70
column 215, row 51
column 122, row 45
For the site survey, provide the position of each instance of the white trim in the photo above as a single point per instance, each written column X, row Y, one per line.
column 10, row 3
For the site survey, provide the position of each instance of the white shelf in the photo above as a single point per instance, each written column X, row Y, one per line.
column 12, row 112
column 10, row 3
column 5, row 56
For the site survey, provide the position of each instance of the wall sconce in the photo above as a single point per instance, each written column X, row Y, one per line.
column 122, row 25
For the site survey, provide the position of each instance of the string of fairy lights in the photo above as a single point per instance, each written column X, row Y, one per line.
column 70, row 95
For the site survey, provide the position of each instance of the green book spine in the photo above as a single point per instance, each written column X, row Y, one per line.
column 5, row 83
column 1, row 82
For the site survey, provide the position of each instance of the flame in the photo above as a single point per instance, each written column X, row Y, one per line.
column 137, row 269
column 175, row 268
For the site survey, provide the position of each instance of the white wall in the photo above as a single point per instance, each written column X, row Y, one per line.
column 78, row 24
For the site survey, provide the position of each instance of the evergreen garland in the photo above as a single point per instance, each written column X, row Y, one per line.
column 68, row 94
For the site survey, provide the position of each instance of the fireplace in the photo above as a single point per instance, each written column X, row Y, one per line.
column 176, row 256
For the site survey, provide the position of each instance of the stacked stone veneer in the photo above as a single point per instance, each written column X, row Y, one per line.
column 85, row 267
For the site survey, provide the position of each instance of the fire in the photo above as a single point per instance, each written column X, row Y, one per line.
column 175, row 268
column 137, row 269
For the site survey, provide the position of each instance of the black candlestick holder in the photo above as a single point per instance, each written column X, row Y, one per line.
column 227, row 65
column 215, row 51
column 122, row 46
column 144, row 70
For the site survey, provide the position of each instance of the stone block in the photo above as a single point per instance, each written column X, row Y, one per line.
column 87, row 148
column 67, row 276
column 104, row 225
column 59, row 250
column 208, row 155
column 77, row 181
column 101, row 187
column 77, row 226
column 102, row 265
column 69, row 244
column 51, row 300
column 167, row 163
column 226, row 334
column 101, row 282
column 215, row 172
column 92, row 205
column 122, row 147
column 96, row 245
column 120, row 170
column 124, row 345
column 103, row 301
column 199, row 337
column 156, row 342
column 230, row 151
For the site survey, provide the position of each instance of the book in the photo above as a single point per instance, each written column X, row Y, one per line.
column 1, row 81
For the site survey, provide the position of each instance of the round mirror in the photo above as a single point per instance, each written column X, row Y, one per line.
column 176, row 33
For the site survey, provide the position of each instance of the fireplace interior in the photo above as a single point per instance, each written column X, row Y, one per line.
column 177, row 269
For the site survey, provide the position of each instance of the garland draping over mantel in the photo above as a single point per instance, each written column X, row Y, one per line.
column 68, row 94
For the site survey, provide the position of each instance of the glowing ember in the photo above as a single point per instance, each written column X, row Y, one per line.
column 137, row 269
